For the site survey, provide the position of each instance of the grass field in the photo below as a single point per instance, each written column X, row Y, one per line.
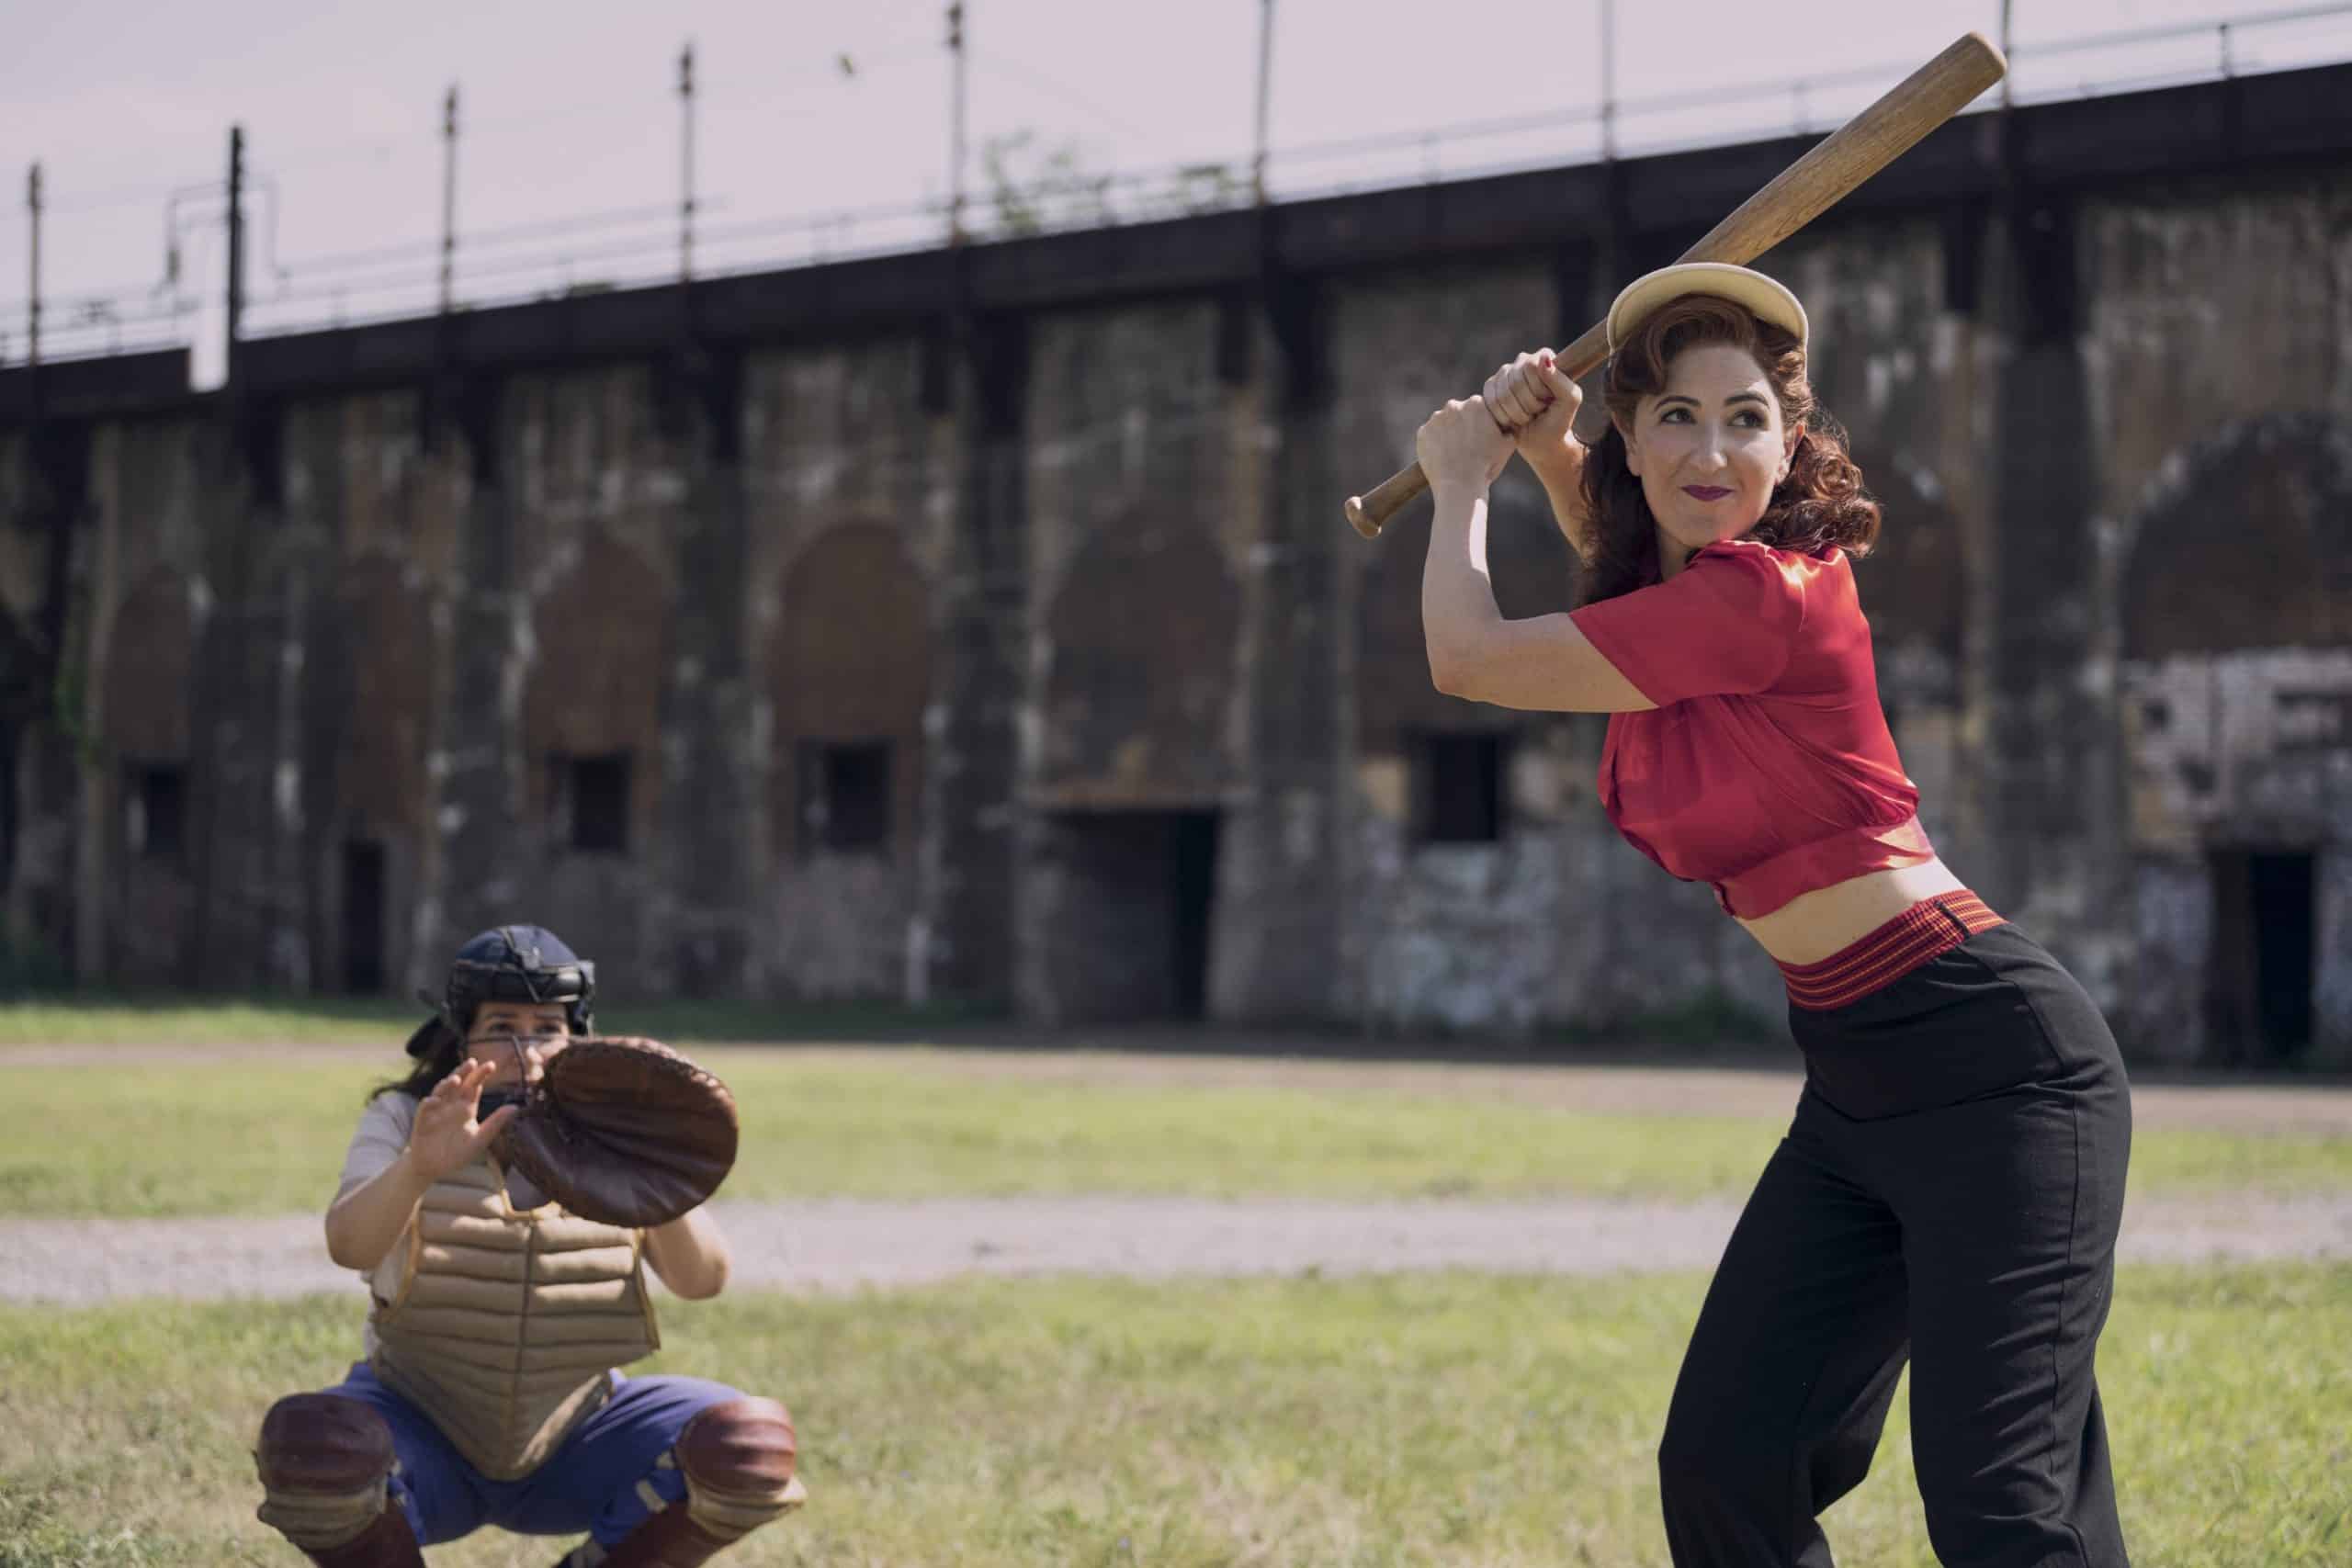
column 257, row 1135
column 1440, row 1419
column 1447, row 1419
column 182, row 1136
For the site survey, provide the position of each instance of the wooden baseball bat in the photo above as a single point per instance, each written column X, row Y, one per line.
column 1801, row 193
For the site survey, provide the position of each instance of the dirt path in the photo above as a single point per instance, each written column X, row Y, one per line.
column 843, row 1244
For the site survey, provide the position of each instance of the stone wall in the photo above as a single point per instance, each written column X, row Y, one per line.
column 1021, row 656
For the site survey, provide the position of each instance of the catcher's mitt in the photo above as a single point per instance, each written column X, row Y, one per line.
column 623, row 1131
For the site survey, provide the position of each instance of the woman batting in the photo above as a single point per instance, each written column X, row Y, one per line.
column 490, row 1394
column 1950, row 1186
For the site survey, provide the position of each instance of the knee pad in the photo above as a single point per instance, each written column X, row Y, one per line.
column 324, row 1460
column 739, row 1459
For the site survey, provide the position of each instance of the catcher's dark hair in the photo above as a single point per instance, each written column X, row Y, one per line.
column 436, row 1050
column 1821, row 503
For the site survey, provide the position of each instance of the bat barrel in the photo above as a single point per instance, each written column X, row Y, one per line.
column 1802, row 192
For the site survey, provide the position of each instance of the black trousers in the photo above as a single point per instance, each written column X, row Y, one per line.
column 1949, row 1192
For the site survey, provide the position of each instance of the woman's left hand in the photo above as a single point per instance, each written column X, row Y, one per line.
column 1460, row 446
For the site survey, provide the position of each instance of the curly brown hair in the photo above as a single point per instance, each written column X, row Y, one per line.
column 1821, row 502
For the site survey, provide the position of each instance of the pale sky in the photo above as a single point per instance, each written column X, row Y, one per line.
column 569, row 110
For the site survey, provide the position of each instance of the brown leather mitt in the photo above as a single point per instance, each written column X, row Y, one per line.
column 623, row 1130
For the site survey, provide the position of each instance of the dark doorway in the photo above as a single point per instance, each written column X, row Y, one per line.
column 1195, row 895
column 1458, row 789
column 845, row 794
column 363, row 916
column 159, row 830
column 596, row 791
column 1134, row 930
column 2265, row 931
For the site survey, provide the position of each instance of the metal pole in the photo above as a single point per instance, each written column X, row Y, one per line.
column 236, row 245
column 448, row 197
column 2008, row 93
column 32, row 316
column 1265, row 88
column 955, row 144
column 687, row 205
column 1609, row 81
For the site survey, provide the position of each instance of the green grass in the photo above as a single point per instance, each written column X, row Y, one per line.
column 258, row 1136
column 1436, row 1419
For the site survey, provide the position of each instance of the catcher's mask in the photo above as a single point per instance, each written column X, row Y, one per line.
column 514, row 963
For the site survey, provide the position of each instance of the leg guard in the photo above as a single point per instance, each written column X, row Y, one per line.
column 324, row 1460
column 738, row 1458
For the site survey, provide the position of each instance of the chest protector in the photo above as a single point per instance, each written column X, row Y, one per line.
column 505, row 1323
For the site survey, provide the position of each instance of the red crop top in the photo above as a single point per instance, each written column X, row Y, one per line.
column 1766, row 769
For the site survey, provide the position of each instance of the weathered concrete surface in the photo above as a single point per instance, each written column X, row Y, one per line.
column 1060, row 581
column 846, row 1245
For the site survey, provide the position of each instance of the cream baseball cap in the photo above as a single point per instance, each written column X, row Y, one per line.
column 1767, row 298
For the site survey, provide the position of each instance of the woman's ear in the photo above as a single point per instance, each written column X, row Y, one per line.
column 1789, row 455
column 1632, row 453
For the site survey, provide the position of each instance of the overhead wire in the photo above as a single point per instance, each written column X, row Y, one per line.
column 989, row 60
column 606, row 239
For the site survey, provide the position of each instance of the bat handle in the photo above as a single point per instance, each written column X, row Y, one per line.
column 1370, row 512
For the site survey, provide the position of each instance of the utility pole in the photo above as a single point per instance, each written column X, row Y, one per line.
column 1265, row 84
column 236, row 248
column 2008, row 97
column 32, row 313
column 1609, row 81
column 956, row 143
column 687, row 205
column 448, row 197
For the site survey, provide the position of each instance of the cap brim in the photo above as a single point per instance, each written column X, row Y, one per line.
column 1767, row 299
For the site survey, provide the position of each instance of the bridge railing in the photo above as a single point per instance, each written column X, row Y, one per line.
column 635, row 246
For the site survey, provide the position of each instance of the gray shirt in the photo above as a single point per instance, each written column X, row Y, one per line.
column 382, row 1134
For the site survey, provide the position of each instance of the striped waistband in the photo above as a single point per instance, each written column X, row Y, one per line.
column 1928, row 929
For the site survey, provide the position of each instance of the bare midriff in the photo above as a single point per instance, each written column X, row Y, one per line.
column 1817, row 925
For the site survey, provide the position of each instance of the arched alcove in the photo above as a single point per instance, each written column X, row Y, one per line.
column 376, row 655
column 2242, row 544
column 1145, row 630
column 154, row 831
column 2236, row 618
column 150, row 656
column 592, row 705
column 849, row 672
column 384, row 625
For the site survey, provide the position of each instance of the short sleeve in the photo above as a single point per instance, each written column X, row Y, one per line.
column 1724, row 625
column 382, row 1134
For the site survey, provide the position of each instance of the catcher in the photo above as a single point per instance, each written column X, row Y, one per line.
column 504, row 1201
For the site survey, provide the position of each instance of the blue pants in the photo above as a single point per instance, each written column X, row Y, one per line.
column 593, row 1482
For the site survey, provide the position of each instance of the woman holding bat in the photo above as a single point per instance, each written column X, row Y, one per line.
column 1950, row 1187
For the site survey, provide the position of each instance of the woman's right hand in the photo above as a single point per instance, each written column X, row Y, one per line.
column 1534, row 400
column 447, row 1137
